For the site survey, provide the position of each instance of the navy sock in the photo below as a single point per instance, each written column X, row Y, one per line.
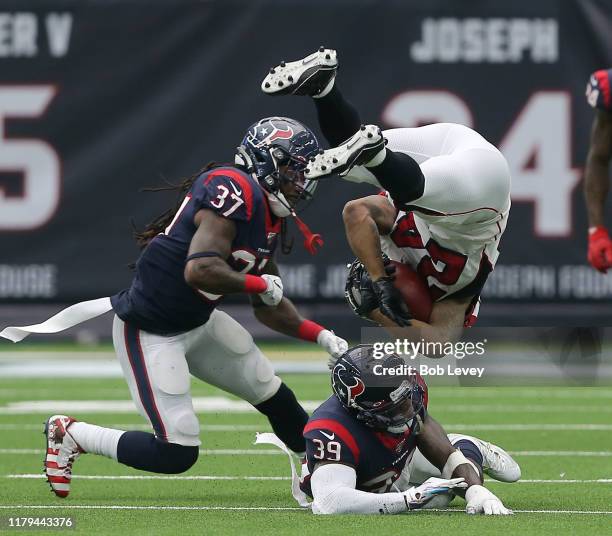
column 287, row 418
column 144, row 451
column 338, row 118
column 401, row 176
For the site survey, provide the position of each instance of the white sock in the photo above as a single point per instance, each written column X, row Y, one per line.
column 326, row 90
column 96, row 439
column 378, row 158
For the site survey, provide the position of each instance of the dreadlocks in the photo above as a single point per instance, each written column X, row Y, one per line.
column 159, row 224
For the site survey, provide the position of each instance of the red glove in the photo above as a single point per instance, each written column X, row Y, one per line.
column 600, row 249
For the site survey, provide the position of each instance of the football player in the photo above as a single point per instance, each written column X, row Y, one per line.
column 596, row 181
column 219, row 240
column 444, row 208
column 361, row 446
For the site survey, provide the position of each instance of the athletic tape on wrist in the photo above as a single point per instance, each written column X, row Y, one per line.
column 456, row 459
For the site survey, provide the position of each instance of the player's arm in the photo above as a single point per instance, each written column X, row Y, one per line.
column 206, row 268
column 596, row 186
column 433, row 443
column 365, row 220
column 333, row 481
column 333, row 487
column 285, row 318
column 333, row 491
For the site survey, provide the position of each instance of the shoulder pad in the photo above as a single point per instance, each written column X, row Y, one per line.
column 229, row 192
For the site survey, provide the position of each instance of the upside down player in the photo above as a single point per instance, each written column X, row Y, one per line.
column 443, row 213
column 361, row 447
column 596, row 178
column 167, row 325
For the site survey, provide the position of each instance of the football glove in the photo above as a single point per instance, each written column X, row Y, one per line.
column 600, row 249
column 390, row 301
column 419, row 496
column 481, row 501
column 335, row 346
column 274, row 293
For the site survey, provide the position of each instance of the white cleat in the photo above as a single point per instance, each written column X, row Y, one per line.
column 359, row 149
column 308, row 76
column 62, row 450
column 497, row 463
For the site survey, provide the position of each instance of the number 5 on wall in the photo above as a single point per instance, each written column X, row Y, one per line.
column 34, row 159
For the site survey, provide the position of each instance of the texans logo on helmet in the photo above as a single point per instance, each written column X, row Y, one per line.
column 349, row 392
column 268, row 132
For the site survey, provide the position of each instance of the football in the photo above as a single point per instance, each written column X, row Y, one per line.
column 414, row 291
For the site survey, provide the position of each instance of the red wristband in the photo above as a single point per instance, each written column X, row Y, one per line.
column 253, row 284
column 309, row 330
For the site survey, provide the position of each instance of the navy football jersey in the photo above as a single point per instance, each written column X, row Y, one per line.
column 598, row 90
column 333, row 434
column 159, row 299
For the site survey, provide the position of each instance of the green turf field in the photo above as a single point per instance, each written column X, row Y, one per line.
column 561, row 437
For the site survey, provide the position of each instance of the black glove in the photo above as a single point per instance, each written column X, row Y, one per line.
column 368, row 300
column 390, row 301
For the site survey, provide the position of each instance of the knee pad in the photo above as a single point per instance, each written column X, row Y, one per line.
column 184, row 426
column 255, row 381
column 230, row 334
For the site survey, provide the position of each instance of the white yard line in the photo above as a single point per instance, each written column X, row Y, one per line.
column 272, row 452
column 39, row 476
column 265, row 427
column 141, row 426
column 223, row 404
column 251, row 508
column 206, row 452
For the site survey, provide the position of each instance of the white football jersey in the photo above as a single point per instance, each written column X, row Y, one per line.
column 450, row 235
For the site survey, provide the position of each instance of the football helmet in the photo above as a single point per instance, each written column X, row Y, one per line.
column 276, row 150
column 393, row 403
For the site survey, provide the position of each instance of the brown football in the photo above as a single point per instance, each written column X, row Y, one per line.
column 414, row 291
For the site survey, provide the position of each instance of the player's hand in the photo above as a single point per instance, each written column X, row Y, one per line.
column 419, row 496
column 390, row 302
column 481, row 501
column 335, row 346
column 600, row 249
column 274, row 293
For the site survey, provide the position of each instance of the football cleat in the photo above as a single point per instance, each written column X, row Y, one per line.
column 62, row 450
column 359, row 149
column 497, row 463
column 308, row 76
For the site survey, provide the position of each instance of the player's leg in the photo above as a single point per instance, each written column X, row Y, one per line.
column 224, row 354
column 364, row 158
column 159, row 381
column 486, row 457
column 315, row 76
column 496, row 462
column 158, row 378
